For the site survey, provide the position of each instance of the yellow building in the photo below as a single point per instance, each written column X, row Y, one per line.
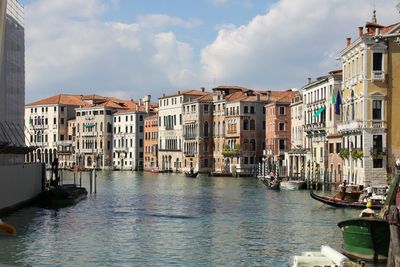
column 370, row 123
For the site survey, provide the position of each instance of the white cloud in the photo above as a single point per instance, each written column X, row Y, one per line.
column 162, row 21
column 69, row 49
column 292, row 41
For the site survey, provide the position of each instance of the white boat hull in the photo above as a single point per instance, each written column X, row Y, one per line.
column 292, row 185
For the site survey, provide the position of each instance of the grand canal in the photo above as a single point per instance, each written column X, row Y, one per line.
column 167, row 219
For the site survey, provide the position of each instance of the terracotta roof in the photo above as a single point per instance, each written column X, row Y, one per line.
column 61, row 99
column 108, row 104
column 205, row 98
column 132, row 110
column 186, row 92
column 93, row 97
column 231, row 87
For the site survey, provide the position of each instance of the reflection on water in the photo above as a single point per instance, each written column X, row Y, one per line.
column 167, row 219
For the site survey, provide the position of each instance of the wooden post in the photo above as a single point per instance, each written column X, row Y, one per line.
column 394, row 248
column 74, row 178
column 80, row 178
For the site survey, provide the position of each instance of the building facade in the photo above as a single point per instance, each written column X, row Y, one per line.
column 197, row 128
column 47, row 127
column 319, row 115
column 170, row 128
column 151, row 143
column 369, row 117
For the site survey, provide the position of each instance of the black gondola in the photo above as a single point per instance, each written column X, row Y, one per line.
column 339, row 203
column 191, row 174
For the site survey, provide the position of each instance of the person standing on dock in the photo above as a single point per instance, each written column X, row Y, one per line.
column 54, row 170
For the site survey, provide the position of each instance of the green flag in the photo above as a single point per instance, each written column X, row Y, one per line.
column 318, row 112
column 333, row 99
column 30, row 120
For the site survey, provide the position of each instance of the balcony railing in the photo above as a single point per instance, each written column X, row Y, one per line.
column 64, row 143
column 376, row 124
column 39, row 127
column 120, row 149
column 40, row 144
column 349, row 126
column 378, row 75
column 88, row 134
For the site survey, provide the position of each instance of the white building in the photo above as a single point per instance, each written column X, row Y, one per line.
column 46, row 123
column 170, row 128
column 319, row 114
column 128, row 141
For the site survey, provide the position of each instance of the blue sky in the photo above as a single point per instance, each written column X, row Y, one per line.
column 132, row 47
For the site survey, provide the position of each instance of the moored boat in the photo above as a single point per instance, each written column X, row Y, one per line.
column 273, row 184
column 61, row 196
column 339, row 203
column 365, row 238
column 191, row 174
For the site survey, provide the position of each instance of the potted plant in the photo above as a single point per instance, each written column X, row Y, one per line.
column 357, row 154
column 376, row 154
column 344, row 153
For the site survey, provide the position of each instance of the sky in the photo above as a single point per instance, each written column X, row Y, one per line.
column 130, row 48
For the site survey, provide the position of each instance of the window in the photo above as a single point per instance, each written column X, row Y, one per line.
column 331, row 147
column 205, row 162
column 55, row 138
column 246, row 160
column 281, row 144
column 206, row 129
column 377, row 61
column 378, row 148
column 140, row 129
column 206, row 108
column 281, row 126
column 140, row 142
column 54, row 120
column 281, row 110
column 252, row 125
column 62, row 120
column 246, row 109
column 62, row 109
column 245, row 125
column 141, row 118
column 376, row 109
column 252, row 110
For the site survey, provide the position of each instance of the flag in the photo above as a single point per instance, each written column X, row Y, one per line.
column 338, row 103
column 30, row 120
column 319, row 111
column 333, row 99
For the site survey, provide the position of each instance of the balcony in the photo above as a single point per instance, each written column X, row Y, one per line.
column 120, row 149
column 88, row 134
column 89, row 150
column 64, row 143
column 378, row 75
column 40, row 144
column 377, row 124
column 350, row 126
column 39, row 127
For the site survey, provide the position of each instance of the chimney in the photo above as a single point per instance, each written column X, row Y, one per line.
column 360, row 31
column 163, row 95
column 147, row 102
column 377, row 31
column 309, row 80
column 179, row 92
column 202, row 89
column 268, row 95
column 348, row 41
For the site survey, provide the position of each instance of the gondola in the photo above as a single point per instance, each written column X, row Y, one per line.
column 273, row 185
column 191, row 174
column 337, row 202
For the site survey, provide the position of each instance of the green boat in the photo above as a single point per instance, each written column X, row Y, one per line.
column 365, row 238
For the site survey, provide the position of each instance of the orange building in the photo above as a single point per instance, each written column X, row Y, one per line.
column 151, row 143
column 278, row 131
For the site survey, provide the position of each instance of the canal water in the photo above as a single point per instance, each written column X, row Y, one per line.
column 168, row 219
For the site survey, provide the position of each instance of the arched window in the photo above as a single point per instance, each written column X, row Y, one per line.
column 206, row 129
column 245, row 125
column 246, row 145
column 109, row 127
column 252, row 125
column 252, row 145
